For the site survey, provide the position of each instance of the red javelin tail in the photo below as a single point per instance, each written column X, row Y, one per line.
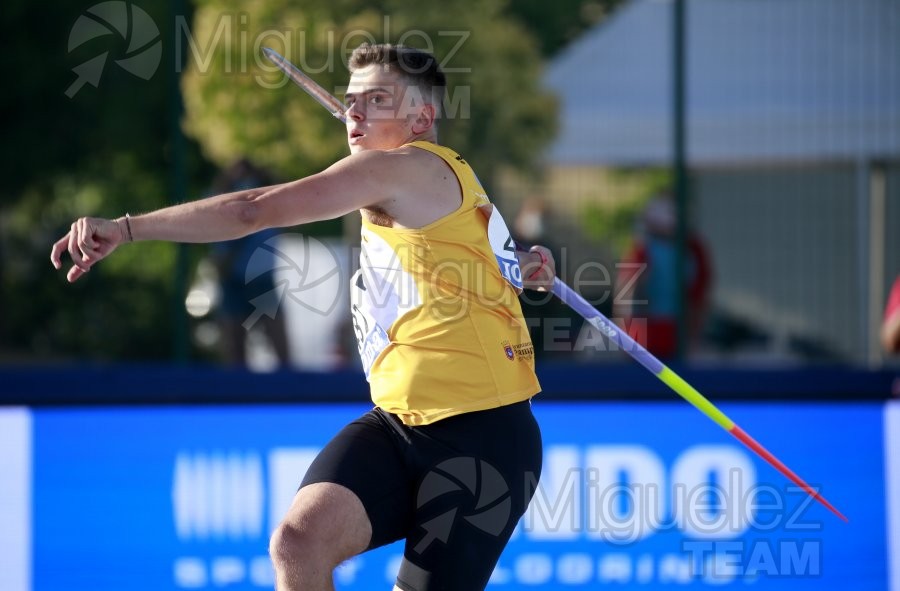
column 744, row 438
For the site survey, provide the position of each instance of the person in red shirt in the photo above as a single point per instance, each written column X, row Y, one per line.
column 890, row 327
column 646, row 302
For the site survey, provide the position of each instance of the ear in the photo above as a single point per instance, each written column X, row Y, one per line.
column 425, row 119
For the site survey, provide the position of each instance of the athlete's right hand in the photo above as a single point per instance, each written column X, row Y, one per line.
column 540, row 271
column 89, row 241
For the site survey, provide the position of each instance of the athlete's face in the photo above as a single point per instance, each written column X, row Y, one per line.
column 383, row 111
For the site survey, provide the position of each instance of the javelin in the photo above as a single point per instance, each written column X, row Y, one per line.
column 674, row 381
column 322, row 96
column 596, row 319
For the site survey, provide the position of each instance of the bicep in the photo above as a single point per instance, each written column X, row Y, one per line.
column 348, row 185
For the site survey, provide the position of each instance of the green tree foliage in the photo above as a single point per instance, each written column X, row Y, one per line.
column 556, row 24
column 238, row 105
column 108, row 149
column 102, row 152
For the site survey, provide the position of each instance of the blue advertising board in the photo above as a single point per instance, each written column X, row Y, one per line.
column 635, row 496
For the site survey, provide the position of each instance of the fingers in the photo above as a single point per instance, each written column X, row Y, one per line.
column 85, row 243
column 543, row 276
column 58, row 247
column 547, row 260
column 74, row 250
column 74, row 273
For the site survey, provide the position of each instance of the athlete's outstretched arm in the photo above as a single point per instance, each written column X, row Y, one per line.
column 352, row 183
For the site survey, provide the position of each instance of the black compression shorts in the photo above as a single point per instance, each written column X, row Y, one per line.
column 454, row 490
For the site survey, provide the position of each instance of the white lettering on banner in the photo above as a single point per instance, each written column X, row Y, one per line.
column 601, row 492
column 262, row 574
column 534, row 569
column 583, row 569
column 287, row 467
column 620, row 493
column 575, row 569
column 345, row 573
column 716, row 566
column 15, row 498
column 712, row 563
column 227, row 570
column 607, row 493
column 392, row 568
column 727, row 510
column 217, row 496
column 615, row 568
column 191, row 572
column 644, row 569
column 501, row 576
column 675, row 569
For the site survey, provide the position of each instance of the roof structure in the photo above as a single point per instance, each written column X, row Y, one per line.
column 767, row 80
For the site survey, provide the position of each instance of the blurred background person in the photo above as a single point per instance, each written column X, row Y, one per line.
column 646, row 298
column 530, row 224
column 246, row 271
column 890, row 327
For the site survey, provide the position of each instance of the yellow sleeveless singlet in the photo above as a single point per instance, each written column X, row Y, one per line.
column 436, row 311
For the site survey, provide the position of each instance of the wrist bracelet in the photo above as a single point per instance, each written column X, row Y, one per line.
column 128, row 227
column 544, row 261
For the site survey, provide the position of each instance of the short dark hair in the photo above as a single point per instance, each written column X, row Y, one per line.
column 419, row 67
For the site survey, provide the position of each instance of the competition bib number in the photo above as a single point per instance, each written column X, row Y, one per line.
column 504, row 248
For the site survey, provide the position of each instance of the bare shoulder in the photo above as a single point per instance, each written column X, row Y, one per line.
column 415, row 159
column 422, row 188
column 391, row 164
column 421, row 165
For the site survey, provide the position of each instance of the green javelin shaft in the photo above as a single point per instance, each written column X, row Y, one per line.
column 681, row 387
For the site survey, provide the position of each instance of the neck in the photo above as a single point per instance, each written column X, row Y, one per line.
column 428, row 136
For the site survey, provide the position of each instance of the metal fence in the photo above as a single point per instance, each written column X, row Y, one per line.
column 793, row 153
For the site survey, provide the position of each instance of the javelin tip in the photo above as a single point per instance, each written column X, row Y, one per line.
column 765, row 454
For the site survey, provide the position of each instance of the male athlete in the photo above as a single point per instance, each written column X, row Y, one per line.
column 441, row 336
